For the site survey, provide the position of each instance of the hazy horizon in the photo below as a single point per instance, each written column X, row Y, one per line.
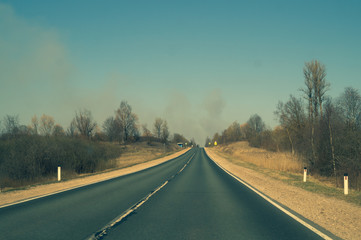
column 198, row 66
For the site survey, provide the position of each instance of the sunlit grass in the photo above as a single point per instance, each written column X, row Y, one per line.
column 283, row 167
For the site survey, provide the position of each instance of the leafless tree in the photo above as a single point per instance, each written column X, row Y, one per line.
column 34, row 125
column 112, row 129
column 291, row 117
column 256, row 123
column 165, row 132
column 84, row 123
column 233, row 133
column 350, row 104
column 146, row 131
column 58, row 130
column 158, row 127
column 72, row 131
column 127, row 121
column 179, row 138
column 11, row 125
column 329, row 116
column 46, row 125
column 316, row 87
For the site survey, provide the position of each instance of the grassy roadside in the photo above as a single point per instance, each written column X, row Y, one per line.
column 132, row 154
column 315, row 184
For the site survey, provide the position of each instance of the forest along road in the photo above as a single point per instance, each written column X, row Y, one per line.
column 186, row 198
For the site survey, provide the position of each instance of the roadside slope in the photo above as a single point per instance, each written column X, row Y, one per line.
column 337, row 216
column 15, row 196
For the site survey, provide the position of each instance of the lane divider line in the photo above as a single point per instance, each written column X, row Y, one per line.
column 122, row 217
column 77, row 186
column 307, row 225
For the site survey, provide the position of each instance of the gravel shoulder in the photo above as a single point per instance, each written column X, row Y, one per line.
column 339, row 217
column 16, row 196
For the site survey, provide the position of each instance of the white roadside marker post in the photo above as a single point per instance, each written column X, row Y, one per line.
column 59, row 173
column 304, row 174
column 345, row 184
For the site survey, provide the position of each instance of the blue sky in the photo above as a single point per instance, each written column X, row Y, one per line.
column 199, row 64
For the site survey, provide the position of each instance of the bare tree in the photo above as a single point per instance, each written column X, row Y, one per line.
column 256, row 123
column 158, row 127
column 112, row 129
column 58, row 130
column 72, row 131
column 350, row 104
column 291, row 117
column 329, row 116
column 179, row 138
column 34, row 125
column 147, row 134
column 127, row 121
column 84, row 123
column 165, row 132
column 233, row 132
column 316, row 87
column 11, row 125
column 146, row 131
column 47, row 123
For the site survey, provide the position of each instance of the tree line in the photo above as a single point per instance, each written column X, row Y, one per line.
column 123, row 127
column 324, row 132
column 31, row 152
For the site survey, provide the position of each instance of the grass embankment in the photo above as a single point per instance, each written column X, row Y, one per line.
column 141, row 152
column 283, row 167
column 32, row 160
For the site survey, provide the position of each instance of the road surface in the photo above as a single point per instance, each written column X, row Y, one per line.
column 193, row 199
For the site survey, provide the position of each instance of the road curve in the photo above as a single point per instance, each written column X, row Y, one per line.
column 193, row 199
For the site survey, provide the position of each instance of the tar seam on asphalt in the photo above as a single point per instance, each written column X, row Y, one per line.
column 130, row 211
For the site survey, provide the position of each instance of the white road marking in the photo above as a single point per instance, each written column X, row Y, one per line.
column 315, row 230
column 102, row 232
column 71, row 188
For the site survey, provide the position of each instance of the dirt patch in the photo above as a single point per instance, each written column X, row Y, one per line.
column 339, row 217
column 47, row 189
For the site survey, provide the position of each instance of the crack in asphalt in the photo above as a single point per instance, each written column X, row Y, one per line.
column 100, row 234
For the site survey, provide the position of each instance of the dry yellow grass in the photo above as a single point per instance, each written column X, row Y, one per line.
column 241, row 151
column 52, row 187
column 142, row 152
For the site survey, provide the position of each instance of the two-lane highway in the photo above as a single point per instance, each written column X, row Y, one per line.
column 199, row 201
column 204, row 202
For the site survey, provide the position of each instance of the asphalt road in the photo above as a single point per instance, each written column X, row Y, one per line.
column 197, row 200
column 78, row 213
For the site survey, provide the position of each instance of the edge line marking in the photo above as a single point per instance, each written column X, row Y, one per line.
column 307, row 225
column 78, row 186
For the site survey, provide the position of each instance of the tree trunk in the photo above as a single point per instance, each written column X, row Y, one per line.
column 312, row 122
column 313, row 143
column 291, row 142
column 332, row 151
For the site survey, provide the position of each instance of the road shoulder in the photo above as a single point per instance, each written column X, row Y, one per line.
column 337, row 216
column 17, row 196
